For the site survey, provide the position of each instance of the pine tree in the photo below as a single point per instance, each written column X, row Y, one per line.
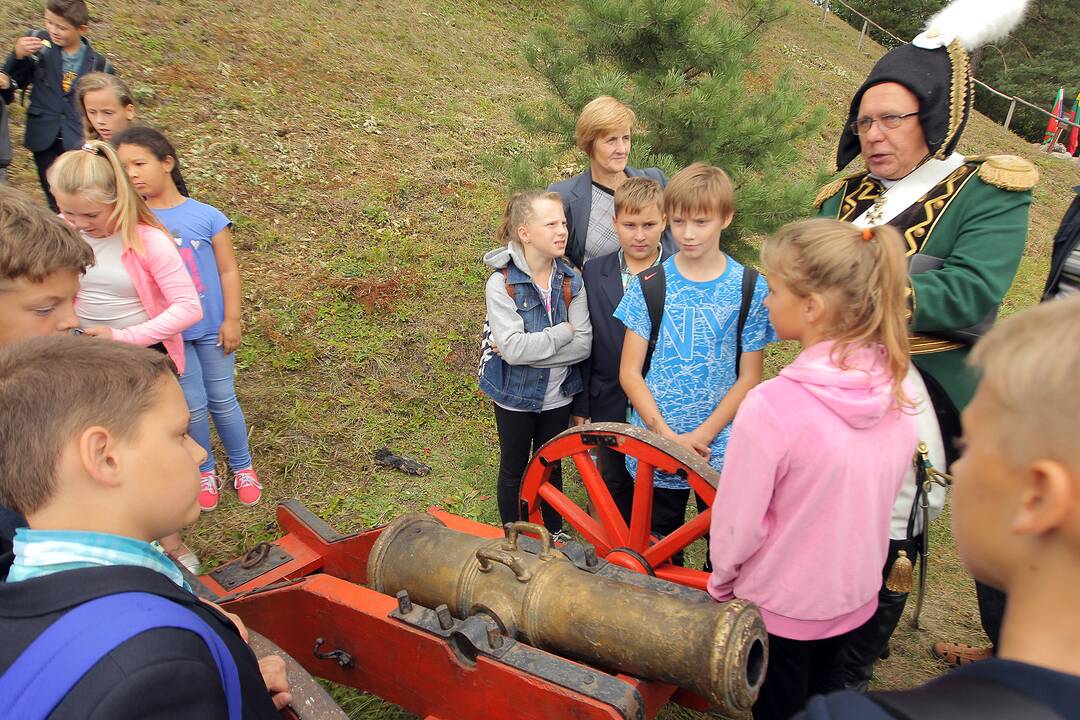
column 688, row 70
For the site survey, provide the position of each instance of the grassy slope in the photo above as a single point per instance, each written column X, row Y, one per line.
column 344, row 140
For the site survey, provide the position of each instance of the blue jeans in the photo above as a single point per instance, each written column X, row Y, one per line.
column 208, row 386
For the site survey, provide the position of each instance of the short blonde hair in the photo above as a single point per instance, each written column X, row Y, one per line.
column 52, row 389
column 638, row 193
column 1030, row 365
column 700, row 188
column 602, row 115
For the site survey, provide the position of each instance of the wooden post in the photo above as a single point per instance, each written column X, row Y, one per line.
column 1057, row 138
column 1009, row 116
column 862, row 35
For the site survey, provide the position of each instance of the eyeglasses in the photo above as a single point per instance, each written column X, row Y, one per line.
column 888, row 122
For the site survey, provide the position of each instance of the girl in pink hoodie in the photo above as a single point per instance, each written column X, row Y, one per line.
column 800, row 524
column 138, row 290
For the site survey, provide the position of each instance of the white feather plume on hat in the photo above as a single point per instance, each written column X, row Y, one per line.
column 974, row 22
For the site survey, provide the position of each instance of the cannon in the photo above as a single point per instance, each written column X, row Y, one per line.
column 622, row 621
column 526, row 630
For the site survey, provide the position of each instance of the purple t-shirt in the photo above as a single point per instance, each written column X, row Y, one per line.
column 193, row 226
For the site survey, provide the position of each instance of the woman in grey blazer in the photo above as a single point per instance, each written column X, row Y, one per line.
column 603, row 133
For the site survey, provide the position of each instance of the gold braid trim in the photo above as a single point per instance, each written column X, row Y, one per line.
column 925, row 345
column 958, row 94
column 1007, row 172
column 834, row 187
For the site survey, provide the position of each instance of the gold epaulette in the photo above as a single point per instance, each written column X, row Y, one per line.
column 1007, row 172
column 834, row 187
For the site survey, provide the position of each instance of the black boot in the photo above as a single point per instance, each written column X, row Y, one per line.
column 870, row 641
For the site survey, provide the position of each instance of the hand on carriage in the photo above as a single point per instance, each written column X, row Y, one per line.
column 578, row 420
column 694, row 441
column 274, row 675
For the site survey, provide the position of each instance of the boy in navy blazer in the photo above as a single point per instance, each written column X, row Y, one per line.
column 52, row 61
column 639, row 222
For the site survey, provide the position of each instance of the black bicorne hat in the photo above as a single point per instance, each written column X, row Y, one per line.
column 940, row 78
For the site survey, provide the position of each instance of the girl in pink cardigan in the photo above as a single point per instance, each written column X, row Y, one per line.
column 800, row 524
column 138, row 290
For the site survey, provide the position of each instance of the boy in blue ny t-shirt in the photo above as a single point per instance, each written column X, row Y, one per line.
column 693, row 387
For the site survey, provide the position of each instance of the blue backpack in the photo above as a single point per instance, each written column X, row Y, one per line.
column 58, row 658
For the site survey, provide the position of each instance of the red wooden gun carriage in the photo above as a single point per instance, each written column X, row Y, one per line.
column 454, row 619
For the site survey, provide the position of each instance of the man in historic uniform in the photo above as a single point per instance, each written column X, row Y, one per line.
column 964, row 221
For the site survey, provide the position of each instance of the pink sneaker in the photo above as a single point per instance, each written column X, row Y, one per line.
column 248, row 487
column 210, row 490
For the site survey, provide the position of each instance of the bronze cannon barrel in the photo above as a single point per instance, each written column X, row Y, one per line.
column 641, row 626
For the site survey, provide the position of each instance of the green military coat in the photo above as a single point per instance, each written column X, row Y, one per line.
column 977, row 221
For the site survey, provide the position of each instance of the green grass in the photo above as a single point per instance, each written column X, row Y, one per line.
column 346, row 139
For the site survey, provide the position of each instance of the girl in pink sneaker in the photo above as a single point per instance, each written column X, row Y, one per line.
column 204, row 237
column 800, row 524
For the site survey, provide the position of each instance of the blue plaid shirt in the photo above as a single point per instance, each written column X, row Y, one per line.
column 44, row 552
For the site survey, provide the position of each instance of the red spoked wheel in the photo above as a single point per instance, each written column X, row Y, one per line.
column 632, row 547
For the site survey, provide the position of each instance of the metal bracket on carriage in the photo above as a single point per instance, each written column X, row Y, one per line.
column 257, row 561
column 481, row 635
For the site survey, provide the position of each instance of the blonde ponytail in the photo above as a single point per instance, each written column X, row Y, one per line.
column 860, row 273
column 519, row 210
column 96, row 172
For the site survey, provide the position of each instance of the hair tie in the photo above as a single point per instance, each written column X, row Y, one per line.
column 90, row 149
column 868, row 234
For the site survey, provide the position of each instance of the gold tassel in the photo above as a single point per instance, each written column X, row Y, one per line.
column 900, row 574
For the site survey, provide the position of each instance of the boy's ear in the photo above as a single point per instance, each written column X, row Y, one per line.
column 1048, row 499
column 97, row 455
column 727, row 220
column 83, row 29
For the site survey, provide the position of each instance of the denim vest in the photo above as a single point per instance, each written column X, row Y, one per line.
column 522, row 387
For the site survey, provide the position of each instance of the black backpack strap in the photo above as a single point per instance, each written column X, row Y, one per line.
column 654, row 289
column 962, row 698
column 102, row 64
column 749, row 281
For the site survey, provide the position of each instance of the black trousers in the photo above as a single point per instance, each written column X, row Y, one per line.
column 669, row 514
column 617, row 478
column 868, row 642
column 798, row 670
column 520, row 435
column 43, row 160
